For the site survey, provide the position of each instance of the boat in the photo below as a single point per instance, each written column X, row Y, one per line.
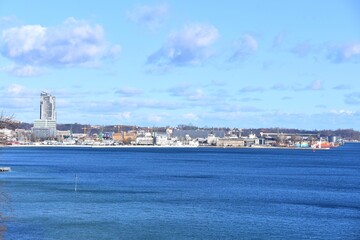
column 5, row 169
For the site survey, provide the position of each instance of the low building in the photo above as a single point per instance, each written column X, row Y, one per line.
column 230, row 142
column 61, row 135
column 124, row 137
column 40, row 134
column 146, row 139
column 212, row 140
column 198, row 133
column 251, row 140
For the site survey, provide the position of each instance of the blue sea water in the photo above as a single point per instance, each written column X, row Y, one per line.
column 181, row 193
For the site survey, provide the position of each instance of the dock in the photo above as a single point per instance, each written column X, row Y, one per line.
column 5, row 169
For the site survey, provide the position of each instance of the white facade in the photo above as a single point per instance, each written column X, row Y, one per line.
column 47, row 107
column 45, row 127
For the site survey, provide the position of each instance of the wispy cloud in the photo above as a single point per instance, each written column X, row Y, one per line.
column 342, row 111
column 280, row 86
column 15, row 89
column 251, row 89
column 131, row 104
column 249, row 99
column 190, row 46
column 353, row 98
column 315, row 85
column 188, row 92
column 22, row 70
column 235, row 108
column 243, row 48
column 302, row 49
column 128, row 91
column 342, row 87
column 73, row 43
column 149, row 16
column 16, row 98
column 344, row 53
column 321, row 106
column 279, row 40
column 191, row 116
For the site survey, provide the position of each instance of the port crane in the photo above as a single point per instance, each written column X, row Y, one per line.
column 85, row 132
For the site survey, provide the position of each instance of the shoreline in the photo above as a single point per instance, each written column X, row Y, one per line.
column 156, row 146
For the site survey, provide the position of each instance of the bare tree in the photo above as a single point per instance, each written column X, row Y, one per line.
column 8, row 122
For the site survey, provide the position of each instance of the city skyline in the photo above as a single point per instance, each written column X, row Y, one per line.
column 246, row 64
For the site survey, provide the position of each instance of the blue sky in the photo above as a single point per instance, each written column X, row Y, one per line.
column 246, row 64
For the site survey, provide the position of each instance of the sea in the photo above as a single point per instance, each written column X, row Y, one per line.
column 180, row 193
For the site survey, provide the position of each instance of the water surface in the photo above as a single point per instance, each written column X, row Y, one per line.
column 181, row 193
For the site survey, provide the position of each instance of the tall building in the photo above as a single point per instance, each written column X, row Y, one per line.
column 45, row 127
column 47, row 107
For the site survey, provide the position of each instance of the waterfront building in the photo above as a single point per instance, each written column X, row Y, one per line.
column 124, row 137
column 230, row 142
column 145, row 139
column 45, row 127
column 197, row 133
column 212, row 140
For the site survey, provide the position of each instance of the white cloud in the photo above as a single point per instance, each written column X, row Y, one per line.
column 15, row 89
column 188, row 92
column 302, row 49
column 127, row 91
column 190, row 46
column 280, row 86
column 73, row 43
column 197, row 95
column 251, row 89
column 155, row 118
column 244, row 47
column 22, row 70
column 279, row 39
column 18, row 42
column 191, row 116
column 123, row 115
column 19, row 100
column 342, row 87
column 343, row 53
column 314, row 85
column 149, row 16
column 342, row 111
column 351, row 50
column 353, row 98
column 136, row 103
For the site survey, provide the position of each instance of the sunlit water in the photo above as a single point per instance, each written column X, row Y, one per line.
column 181, row 193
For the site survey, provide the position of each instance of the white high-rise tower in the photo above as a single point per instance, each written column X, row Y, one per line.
column 45, row 127
column 47, row 107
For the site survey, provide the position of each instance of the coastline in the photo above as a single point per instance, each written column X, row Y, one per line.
column 156, row 146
